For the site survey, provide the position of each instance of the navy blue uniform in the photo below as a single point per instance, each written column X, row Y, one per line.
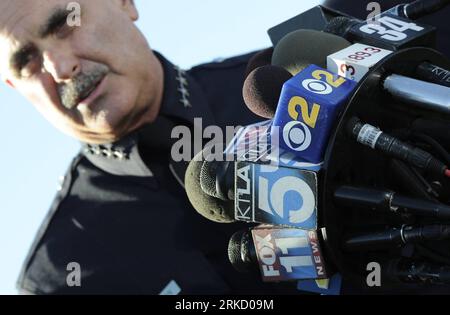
column 123, row 214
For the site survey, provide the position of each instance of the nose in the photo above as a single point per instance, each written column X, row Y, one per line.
column 62, row 65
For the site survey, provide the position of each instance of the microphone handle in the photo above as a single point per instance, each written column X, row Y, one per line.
column 397, row 237
column 432, row 73
column 420, row 93
column 421, row 207
column 420, row 8
column 390, row 202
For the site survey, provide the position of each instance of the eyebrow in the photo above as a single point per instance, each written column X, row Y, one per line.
column 54, row 21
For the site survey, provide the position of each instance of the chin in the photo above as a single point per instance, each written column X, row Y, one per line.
column 112, row 121
column 104, row 130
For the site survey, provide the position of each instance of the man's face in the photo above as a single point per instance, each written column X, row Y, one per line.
column 96, row 81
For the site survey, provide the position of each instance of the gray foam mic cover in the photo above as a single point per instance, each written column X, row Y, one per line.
column 301, row 48
column 210, row 207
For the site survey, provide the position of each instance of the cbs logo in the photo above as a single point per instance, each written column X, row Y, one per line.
column 297, row 136
column 318, row 87
column 323, row 82
column 297, row 133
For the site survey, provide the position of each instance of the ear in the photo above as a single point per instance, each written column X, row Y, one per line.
column 9, row 83
column 130, row 8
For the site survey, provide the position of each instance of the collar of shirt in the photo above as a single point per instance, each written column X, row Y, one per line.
column 183, row 101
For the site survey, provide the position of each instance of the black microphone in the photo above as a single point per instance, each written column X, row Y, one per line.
column 394, row 237
column 376, row 139
column 341, row 26
column 242, row 252
column 432, row 73
column 262, row 89
column 282, row 254
column 389, row 201
column 419, row 8
column 409, row 271
column 387, row 31
column 260, row 59
column 217, row 179
column 316, row 18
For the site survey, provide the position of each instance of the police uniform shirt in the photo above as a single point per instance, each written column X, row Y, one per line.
column 123, row 216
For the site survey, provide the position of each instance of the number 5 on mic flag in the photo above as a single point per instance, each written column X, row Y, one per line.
column 276, row 195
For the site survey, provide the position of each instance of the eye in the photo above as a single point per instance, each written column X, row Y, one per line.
column 62, row 28
column 64, row 31
column 30, row 64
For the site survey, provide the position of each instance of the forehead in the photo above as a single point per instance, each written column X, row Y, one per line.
column 20, row 21
column 22, row 17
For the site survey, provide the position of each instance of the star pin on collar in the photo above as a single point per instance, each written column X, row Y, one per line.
column 183, row 87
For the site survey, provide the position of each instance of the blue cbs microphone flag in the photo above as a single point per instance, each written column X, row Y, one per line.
column 309, row 105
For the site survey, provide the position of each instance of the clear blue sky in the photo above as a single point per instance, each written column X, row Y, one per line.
column 33, row 155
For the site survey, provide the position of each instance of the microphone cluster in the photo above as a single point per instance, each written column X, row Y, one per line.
column 313, row 86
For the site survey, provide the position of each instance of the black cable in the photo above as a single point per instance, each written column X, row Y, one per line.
column 378, row 140
column 408, row 180
column 432, row 254
column 434, row 144
column 430, row 190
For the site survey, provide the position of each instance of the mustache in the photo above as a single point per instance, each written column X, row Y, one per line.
column 78, row 88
